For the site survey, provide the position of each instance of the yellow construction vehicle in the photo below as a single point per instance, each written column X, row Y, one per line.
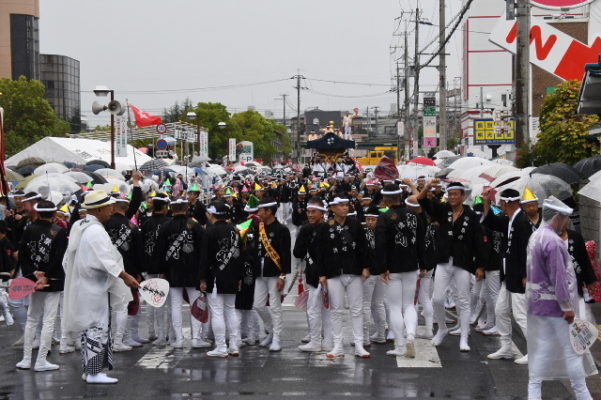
column 374, row 156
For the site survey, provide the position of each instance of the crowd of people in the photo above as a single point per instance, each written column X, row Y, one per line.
column 383, row 249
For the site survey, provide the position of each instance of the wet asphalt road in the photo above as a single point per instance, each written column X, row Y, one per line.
column 153, row 372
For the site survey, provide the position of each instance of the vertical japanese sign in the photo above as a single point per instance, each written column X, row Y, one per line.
column 204, row 145
column 429, row 121
column 232, row 149
column 121, row 126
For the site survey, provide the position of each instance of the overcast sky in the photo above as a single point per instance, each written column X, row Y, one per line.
column 145, row 48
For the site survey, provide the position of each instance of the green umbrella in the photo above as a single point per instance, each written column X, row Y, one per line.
column 13, row 176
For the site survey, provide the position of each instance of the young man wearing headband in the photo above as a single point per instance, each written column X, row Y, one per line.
column 400, row 252
column 95, row 281
column 460, row 253
column 511, row 300
column 342, row 265
column 41, row 251
column 306, row 247
column 220, row 277
column 271, row 258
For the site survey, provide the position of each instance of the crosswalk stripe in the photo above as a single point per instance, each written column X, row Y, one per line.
column 163, row 358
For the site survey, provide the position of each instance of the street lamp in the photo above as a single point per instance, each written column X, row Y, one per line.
column 191, row 115
column 222, row 126
column 114, row 107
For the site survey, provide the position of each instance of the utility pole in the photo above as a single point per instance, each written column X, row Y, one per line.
column 376, row 115
column 442, row 82
column 415, row 131
column 481, row 102
column 284, row 107
column 406, row 102
column 298, row 88
column 398, row 90
column 522, row 75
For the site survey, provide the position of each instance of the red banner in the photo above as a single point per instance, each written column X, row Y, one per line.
column 145, row 119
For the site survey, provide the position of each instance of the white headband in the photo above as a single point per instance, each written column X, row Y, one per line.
column 267, row 205
column 411, row 204
column 120, row 200
column 213, row 210
column 391, row 192
column 338, row 200
column 509, row 198
column 462, row 188
column 179, row 201
column 38, row 209
column 164, row 199
column 371, row 215
column 37, row 196
column 528, row 201
column 316, row 207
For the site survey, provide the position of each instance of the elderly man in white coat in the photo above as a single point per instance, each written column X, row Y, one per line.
column 95, row 281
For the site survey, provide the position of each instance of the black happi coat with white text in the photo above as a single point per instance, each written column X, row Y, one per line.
column 126, row 237
column 181, row 251
column 224, row 262
column 299, row 211
column 342, row 248
column 306, row 247
column 279, row 236
column 400, row 244
column 461, row 239
column 150, row 235
column 585, row 274
column 372, row 260
column 42, row 248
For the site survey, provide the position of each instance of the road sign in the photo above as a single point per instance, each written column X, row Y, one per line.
column 161, row 129
column 429, row 111
column 560, row 4
column 486, row 132
column 232, row 149
column 162, row 144
column 161, row 153
column 429, row 101
column 550, row 48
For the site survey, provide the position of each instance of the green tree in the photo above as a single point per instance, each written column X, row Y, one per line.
column 28, row 116
column 253, row 127
column 564, row 135
column 177, row 112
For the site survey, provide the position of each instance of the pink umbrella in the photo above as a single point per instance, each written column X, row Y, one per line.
column 423, row 161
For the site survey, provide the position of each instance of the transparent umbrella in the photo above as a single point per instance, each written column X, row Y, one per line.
column 50, row 167
column 546, row 185
column 109, row 173
column 78, row 177
column 61, row 183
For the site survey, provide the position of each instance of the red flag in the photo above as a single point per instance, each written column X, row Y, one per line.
column 145, row 119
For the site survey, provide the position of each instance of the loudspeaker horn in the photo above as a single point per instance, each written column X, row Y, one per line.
column 116, row 108
column 97, row 108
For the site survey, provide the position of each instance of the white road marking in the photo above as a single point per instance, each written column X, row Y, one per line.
column 164, row 357
column 426, row 356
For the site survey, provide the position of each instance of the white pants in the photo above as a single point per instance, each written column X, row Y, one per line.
column 223, row 314
column 425, row 299
column 157, row 318
column 400, row 296
column 40, row 304
column 447, row 274
column 177, row 299
column 510, row 303
column 318, row 316
column 476, row 300
column 489, row 295
column 352, row 286
column 272, row 315
column 249, row 324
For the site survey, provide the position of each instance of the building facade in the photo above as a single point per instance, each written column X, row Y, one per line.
column 60, row 75
column 19, row 39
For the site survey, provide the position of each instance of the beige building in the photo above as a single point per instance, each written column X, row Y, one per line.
column 19, row 38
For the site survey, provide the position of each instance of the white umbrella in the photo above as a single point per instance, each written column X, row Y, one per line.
column 50, row 167
column 444, row 154
column 592, row 190
column 79, row 177
column 468, row 162
column 109, row 173
column 53, row 181
column 111, row 184
column 214, row 169
column 496, row 170
column 414, row 170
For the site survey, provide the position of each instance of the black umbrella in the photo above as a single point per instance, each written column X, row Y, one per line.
column 26, row 170
column 588, row 166
column 96, row 179
column 99, row 162
column 563, row 171
column 92, row 167
column 153, row 165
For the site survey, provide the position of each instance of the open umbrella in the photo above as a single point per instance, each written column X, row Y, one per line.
column 496, row 170
column 445, row 162
column 386, row 170
column 423, row 161
column 79, row 177
column 546, row 185
column 468, row 162
column 95, row 178
column 50, row 167
column 413, row 171
column 92, row 167
column 444, row 154
column 26, row 170
column 109, row 173
column 592, row 190
column 31, row 161
column 25, row 181
column 153, row 165
column 61, row 183
column 13, row 176
column 99, row 162
column 588, row 166
column 563, row 171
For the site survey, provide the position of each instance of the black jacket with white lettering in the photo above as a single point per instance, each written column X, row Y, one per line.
column 126, row 237
column 224, row 261
column 150, row 234
column 342, row 248
column 279, row 237
column 306, row 247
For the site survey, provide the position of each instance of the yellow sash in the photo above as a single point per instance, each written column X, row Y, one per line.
column 275, row 257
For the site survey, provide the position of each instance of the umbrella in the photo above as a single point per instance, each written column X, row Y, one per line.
column 92, row 167
column 99, row 162
column 546, row 185
column 26, row 170
column 563, row 171
column 445, row 162
column 423, row 161
column 79, row 177
column 214, row 169
column 69, row 164
column 469, row 162
column 588, row 166
column 443, row 173
column 13, row 176
column 444, row 154
column 31, row 161
column 108, row 187
column 153, row 165
column 25, row 181
column 386, row 170
column 95, row 178
column 592, row 190
column 50, row 167
column 43, row 184
column 414, row 170
column 496, row 170
column 109, row 173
